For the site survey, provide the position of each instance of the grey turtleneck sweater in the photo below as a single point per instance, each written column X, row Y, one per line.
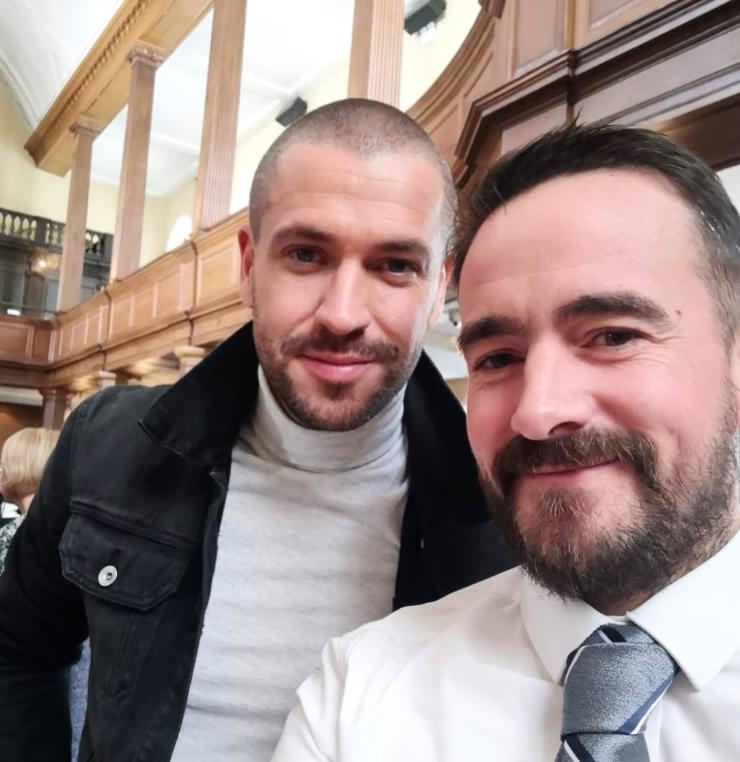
column 307, row 550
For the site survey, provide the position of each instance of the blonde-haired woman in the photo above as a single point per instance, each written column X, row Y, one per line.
column 22, row 462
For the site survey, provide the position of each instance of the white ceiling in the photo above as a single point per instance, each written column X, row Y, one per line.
column 41, row 44
column 290, row 46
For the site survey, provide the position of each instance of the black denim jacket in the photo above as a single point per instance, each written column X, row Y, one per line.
column 120, row 544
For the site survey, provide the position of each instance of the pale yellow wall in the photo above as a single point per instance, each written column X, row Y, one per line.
column 176, row 203
column 25, row 188
column 422, row 64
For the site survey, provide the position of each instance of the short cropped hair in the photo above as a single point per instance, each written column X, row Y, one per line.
column 363, row 127
column 24, row 456
column 583, row 148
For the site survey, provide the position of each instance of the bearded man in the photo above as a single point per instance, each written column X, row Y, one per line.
column 599, row 289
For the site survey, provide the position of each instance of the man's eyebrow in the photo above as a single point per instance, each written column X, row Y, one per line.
column 617, row 303
column 402, row 246
column 306, row 232
column 489, row 327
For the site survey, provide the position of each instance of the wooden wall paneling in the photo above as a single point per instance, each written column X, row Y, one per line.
column 216, row 325
column 144, row 308
column 12, row 374
column 42, row 343
column 523, row 132
column 14, row 340
column 696, row 75
column 499, row 59
column 712, row 133
column 14, row 417
column 595, row 19
column 24, row 340
column 541, row 32
column 218, row 262
column 80, row 330
column 121, row 316
column 153, row 345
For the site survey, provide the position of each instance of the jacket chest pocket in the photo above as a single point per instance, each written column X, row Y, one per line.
column 129, row 581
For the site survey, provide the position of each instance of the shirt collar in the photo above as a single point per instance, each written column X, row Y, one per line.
column 696, row 619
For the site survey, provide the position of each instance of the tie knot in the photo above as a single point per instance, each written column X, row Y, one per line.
column 613, row 681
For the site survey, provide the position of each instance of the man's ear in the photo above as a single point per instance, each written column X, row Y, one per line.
column 439, row 301
column 246, row 247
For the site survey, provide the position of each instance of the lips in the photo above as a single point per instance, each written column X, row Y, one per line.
column 567, row 468
column 336, row 359
column 335, row 368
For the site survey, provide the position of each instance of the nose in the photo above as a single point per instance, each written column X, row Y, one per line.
column 555, row 396
column 344, row 302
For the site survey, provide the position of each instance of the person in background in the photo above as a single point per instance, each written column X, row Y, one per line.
column 599, row 292
column 22, row 462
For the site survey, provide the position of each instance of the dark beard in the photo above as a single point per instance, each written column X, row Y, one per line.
column 347, row 413
column 674, row 526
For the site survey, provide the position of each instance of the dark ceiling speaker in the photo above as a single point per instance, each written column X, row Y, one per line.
column 295, row 111
column 428, row 13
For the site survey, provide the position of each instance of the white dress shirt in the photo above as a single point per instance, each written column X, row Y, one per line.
column 475, row 676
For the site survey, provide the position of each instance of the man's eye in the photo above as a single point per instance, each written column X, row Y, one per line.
column 400, row 266
column 616, row 338
column 304, row 255
column 497, row 361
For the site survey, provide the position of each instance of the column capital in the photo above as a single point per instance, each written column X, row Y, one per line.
column 146, row 54
column 84, row 126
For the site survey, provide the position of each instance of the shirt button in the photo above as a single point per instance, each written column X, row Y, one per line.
column 107, row 576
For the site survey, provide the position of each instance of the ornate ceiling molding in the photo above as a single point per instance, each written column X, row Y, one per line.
column 99, row 86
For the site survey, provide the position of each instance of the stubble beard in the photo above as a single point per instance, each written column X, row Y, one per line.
column 335, row 407
column 670, row 525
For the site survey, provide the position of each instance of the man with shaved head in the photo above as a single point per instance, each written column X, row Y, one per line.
column 599, row 289
column 310, row 475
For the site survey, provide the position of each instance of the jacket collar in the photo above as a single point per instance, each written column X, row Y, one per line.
column 199, row 417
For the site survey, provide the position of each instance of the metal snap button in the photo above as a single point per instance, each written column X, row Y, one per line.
column 107, row 576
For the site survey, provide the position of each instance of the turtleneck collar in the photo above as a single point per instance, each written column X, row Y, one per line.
column 273, row 436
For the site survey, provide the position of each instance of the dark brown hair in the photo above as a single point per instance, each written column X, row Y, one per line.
column 584, row 148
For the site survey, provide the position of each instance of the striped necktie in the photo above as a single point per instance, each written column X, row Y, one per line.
column 611, row 684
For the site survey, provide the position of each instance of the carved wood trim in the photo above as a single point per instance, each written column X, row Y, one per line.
column 572, row 76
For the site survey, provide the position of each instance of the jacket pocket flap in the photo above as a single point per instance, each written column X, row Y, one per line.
column 118, row 566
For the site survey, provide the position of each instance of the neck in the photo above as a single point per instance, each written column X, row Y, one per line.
column 25, row 503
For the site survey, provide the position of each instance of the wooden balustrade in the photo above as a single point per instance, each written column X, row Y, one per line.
column 49, row 234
